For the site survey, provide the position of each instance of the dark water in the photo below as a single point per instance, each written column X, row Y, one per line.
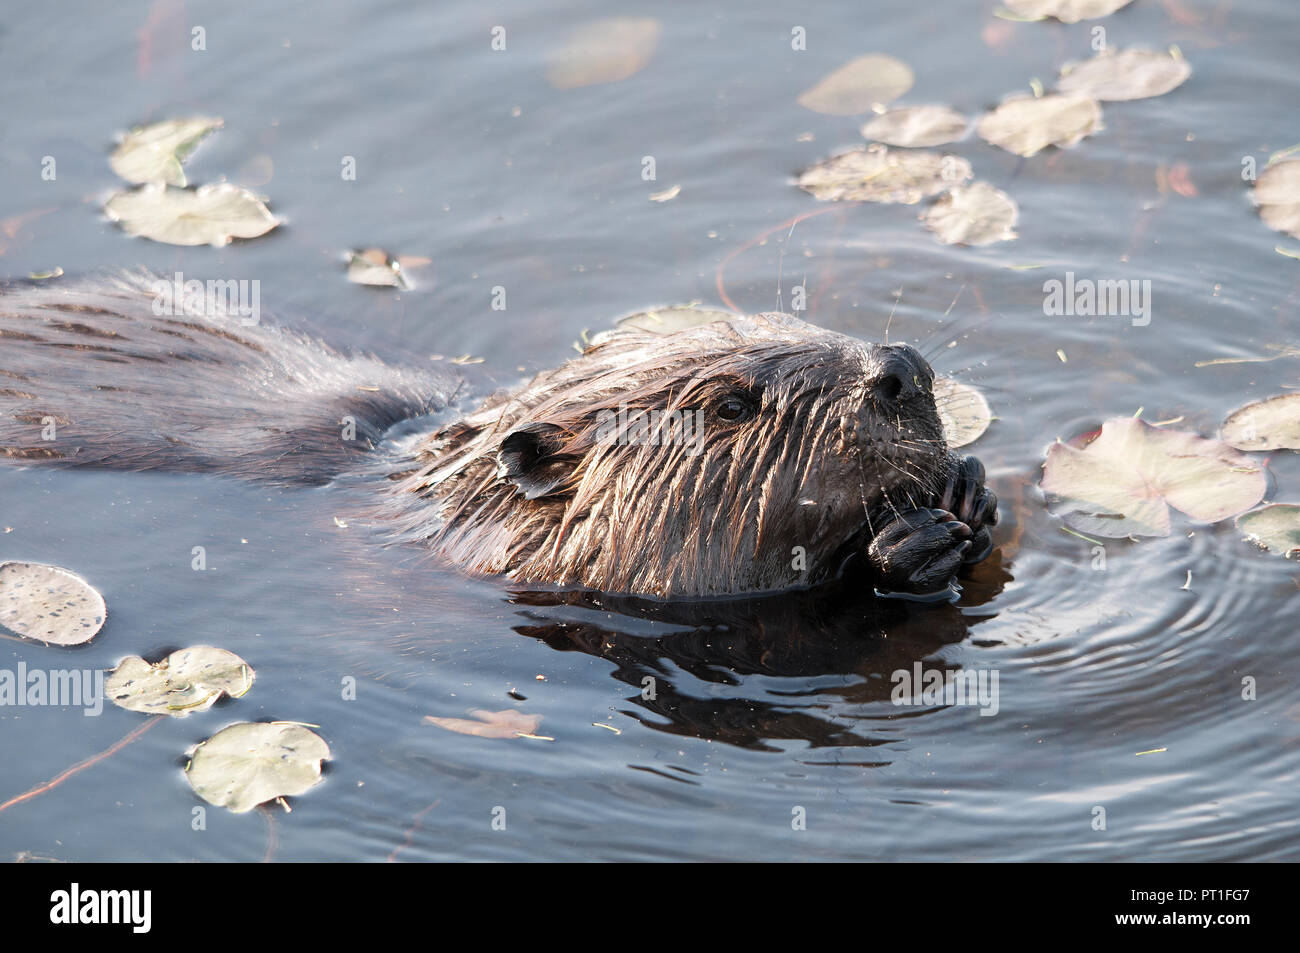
column 467, row 156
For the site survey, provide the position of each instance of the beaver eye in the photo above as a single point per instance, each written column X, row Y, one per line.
column 734, row 408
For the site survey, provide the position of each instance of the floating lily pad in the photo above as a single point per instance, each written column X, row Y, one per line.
column 155, row 153
column 1272, row 424
column 1275, row 527
column 858, row 85
column 209, row 215
column 377, row 268
column 977, row 214
column 491, row 724
column 248, row 764
column 1067, row 11
column 186, row 681
column 1277, row 193
column 964, row 412
column 1124, row 481
column 1027, row 126
column 1127, row 74
column 604, row 51
column 877, row 174
column 913, row 126
column 675, row 318
column 49, row 604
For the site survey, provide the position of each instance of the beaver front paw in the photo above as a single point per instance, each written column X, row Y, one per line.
column 973, row 503
column 919, row 551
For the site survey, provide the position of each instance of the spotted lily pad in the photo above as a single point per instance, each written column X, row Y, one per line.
column 1027, row 126
column 1125, row 480
column 209, row 215
column 859, row 85
column 49, row 604
column 1067, row 11
column 913, row 126
column 1272, row 424
column 977, row 214
column 1126, row 74
column 186, row 681
column 877, row 174
column 155, row 153
column 963, row 410
column 490, row 724
column 674, row 318
column 377, row 268
column 1275, row 527
column 1277, row 193
column 604, row 51
column 250, row 763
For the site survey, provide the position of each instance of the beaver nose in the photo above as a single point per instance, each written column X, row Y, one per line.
column 902, row 373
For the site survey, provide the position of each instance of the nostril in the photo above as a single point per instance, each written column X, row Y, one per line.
column 890, row 387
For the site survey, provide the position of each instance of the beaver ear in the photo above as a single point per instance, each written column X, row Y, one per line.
column 528, row 459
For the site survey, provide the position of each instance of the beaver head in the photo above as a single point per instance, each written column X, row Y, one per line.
column 736, row 457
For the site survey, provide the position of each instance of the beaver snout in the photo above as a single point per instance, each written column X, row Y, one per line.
column 903, row 373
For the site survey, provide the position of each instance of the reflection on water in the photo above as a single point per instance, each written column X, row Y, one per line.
column 1152, row 679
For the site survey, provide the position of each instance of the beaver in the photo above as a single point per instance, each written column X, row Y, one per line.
column 741, row 457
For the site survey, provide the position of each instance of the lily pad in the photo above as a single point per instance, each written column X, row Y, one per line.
column 876, row 174
column 1125, row 480
column 155, row 153
column 1275, row 527
column 250, row 763
column 1277, row 193
column 1027, row 126
column 491, row 724
column 674, row 318
column 377, row 268
column 1067, row 11
column 1127, row 74
column 913, row 126
column 49, row 604
column 604, row 51
column 209, row 215
column 858, row 85
column 1272, row 424
column 963, row 410
column 977, row 214
column 186, row 681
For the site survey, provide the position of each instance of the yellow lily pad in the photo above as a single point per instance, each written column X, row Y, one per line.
column 879, row 174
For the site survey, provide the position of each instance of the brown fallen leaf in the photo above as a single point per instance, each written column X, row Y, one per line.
column 490, row 724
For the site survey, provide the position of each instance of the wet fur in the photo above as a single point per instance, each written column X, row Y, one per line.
column 524, row 485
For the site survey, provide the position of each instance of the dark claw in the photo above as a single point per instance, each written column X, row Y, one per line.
column 973, row 503
column 919, row 551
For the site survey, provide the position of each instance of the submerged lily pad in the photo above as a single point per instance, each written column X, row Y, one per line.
column 155, row 153
column 963, row 410
column 209, row 215
column 1272, row 424
column 186, row 681
column 49, row 604
column 877, row 174
column 1277, row 193
column 1067, row 11
column 675, row 318
column 858, row 85
column 977, row 214
column 913, row 126
column 604, row 51
column 1027, row 126
column 490, row 724
column 1275, row 527
column 250, row 763
column 377, row 268
column 1126, row 74
column 1124, row 481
